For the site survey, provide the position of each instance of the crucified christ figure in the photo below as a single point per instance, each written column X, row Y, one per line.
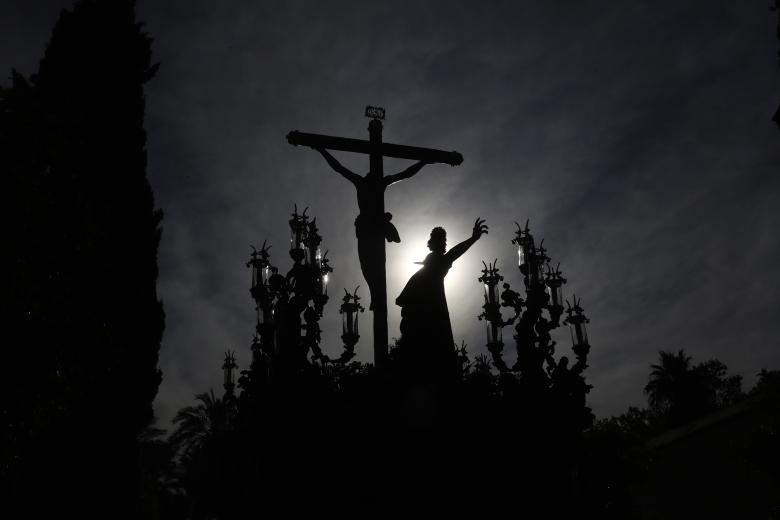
column 372, row 225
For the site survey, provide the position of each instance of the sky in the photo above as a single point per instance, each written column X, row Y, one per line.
column 635, row 136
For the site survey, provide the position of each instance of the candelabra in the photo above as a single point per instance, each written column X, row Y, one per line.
column 549, row 395
column 535, row 316
column 290, row 307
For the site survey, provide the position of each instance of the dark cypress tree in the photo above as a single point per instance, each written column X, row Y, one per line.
column 83, row 320
column 776, row 8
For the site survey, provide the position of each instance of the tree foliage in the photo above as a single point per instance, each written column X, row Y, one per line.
column 196, row 426
column 679, row 391
column 776, row 8
column 80, row 271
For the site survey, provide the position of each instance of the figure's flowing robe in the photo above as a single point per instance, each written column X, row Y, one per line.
column 426, row 331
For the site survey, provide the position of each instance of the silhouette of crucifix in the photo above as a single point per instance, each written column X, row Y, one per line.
column 372, row 225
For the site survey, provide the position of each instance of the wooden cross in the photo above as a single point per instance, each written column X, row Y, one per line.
column 372, row 222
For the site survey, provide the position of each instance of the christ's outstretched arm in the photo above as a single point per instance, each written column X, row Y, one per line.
column 409, row 172
column 480, row 228
column 344, row 172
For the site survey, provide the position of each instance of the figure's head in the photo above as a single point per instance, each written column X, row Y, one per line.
column 438, row 241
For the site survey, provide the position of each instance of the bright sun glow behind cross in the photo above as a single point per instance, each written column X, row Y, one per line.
column 414, row 252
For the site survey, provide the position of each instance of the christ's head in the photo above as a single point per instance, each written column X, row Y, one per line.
column 438, row 241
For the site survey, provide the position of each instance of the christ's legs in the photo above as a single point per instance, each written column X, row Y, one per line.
column 371, row 253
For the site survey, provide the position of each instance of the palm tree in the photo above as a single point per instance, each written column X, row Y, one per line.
column 197, row 426
column 667, row 379
column 679, row 391
column 204, row 442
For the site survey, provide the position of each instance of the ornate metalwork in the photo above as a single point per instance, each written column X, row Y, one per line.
column 228, row 366
column 534, row 316
column 289, row 307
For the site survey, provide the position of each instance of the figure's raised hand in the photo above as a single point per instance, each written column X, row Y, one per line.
column 480, row 228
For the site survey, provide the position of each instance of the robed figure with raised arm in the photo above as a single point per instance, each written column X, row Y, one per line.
column 426, row 332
